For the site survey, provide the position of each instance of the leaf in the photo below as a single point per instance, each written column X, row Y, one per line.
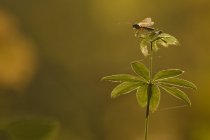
column 33, row 130
column 161, row 42
column 178, row 82
column 154, row 35
column 155, row 98
column 124, row 88
column 141, row 95
column 155, row 46
column 143, row 47
column 176, row 93
column 168, row 39
column 140, row 69
column 122, row 78
column 169, row 73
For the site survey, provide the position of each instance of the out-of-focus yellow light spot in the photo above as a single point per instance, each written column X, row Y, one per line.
column 17, row 54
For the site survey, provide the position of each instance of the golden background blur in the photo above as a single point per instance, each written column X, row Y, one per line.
column 53, row 54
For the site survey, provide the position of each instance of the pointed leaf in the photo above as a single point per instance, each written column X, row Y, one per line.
column 140, row 69
column 169, row 73
column 155, row 98
column 176, row 93
column 124, row 88
column 141, row 95
column 122, row 78
column 178, row 82
column 168, row 39
column 161, row 42
column 143, row 47
column 155, row 46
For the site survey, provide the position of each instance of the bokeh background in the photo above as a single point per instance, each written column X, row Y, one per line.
column 53, row 54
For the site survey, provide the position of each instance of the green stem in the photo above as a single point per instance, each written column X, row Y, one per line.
column 146, row 127
column 151, row 58
column 149, row 93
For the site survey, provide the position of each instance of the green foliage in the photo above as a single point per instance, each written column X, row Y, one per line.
column 176, row 93
column 124, row 88
column 177, row 83
column 155, row 98
column 121, row 78
column 140, row 69
column 141, row 95
column 164, row 79
column 155, row 39
column 148, row 86
column 167, row 40
column 169, row 73
column 143, row 47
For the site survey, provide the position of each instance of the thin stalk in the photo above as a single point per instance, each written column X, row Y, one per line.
column 149, row 93
column 151, row 58
column 146, row 128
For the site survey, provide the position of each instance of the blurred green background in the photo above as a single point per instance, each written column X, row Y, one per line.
column 54, row 52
